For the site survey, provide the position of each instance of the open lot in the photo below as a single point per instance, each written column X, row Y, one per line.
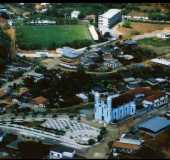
column 160, row 46
column 141, row 28
column 43, row 37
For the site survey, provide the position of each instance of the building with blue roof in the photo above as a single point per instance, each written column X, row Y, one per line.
column 154, row 125
column 70, row 58
column 68, row 52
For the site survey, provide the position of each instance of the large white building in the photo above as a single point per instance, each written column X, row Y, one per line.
column 114, row 107
column 108, row 19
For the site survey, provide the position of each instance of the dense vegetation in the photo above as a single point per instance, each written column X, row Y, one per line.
column 57, row 84
column 4, row 50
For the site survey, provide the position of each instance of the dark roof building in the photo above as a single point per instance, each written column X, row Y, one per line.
column 155, row 125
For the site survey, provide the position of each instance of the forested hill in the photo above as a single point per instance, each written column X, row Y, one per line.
column 4, row 49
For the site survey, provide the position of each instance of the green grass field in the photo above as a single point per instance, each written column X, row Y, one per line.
column 45, row 37
column 156, row 42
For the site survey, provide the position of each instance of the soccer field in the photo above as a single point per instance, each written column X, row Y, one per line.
column 44, row 37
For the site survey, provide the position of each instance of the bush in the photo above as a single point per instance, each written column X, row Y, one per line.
column 127, row 24
column 99, row 137
column 103, row 130
column 91, row 141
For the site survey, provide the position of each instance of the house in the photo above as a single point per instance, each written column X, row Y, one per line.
column 75, row 14
column 61, row 152
column 155, row 100
column 126, row 145
column 39, row 103
column 114, row 63
column 2, row 93
column 164, row 35
column 83, row 97
column 152, row 81
column 108, row 19
column 154, row 126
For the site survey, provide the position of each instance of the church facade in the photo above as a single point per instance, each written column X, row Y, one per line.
column 114, row 107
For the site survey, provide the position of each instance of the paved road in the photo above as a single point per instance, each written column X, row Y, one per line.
column 42, row 135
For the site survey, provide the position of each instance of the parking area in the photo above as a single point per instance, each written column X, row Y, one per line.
column 80, row 132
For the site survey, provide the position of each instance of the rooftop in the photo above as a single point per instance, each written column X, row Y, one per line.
column 161, row 61
column 2, row 93
column 111, row 12
column 68, row 52
column 129, row 95
column 119, row 144
column 155, row 96
column 155, row 124
column 39, row 100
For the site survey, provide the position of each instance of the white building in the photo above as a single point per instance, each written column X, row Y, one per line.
column 162, row 61
column 114, row 63
column 156, row 100
column 126, row 145
column 108, row 19
column 61, row 153
column 75, row 14
column 164, row 35
column 93, row 33
column 83, row 97
column 113, row 107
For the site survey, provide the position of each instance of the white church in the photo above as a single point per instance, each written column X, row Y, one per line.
column 114, row 107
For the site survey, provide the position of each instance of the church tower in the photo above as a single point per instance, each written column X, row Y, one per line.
column 97, row 107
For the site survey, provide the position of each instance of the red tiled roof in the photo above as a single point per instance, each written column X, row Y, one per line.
column 155, row 96
column 2, row 93
column 125, row 145
column 39, row 100
column 129, row 95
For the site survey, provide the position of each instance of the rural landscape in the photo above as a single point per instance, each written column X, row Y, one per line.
column 84, row 80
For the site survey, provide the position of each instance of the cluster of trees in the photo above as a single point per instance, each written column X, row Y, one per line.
column 73, row 44
column 31, row 149
column 140, row 53
column 126, row 24
column 57, row 84
column 4, row 49
column 159, row 16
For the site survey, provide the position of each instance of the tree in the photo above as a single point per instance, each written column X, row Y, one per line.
column 103, row 130
column 127, row 24
column 33, row 149
column 91, row 141
column 99, row 137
